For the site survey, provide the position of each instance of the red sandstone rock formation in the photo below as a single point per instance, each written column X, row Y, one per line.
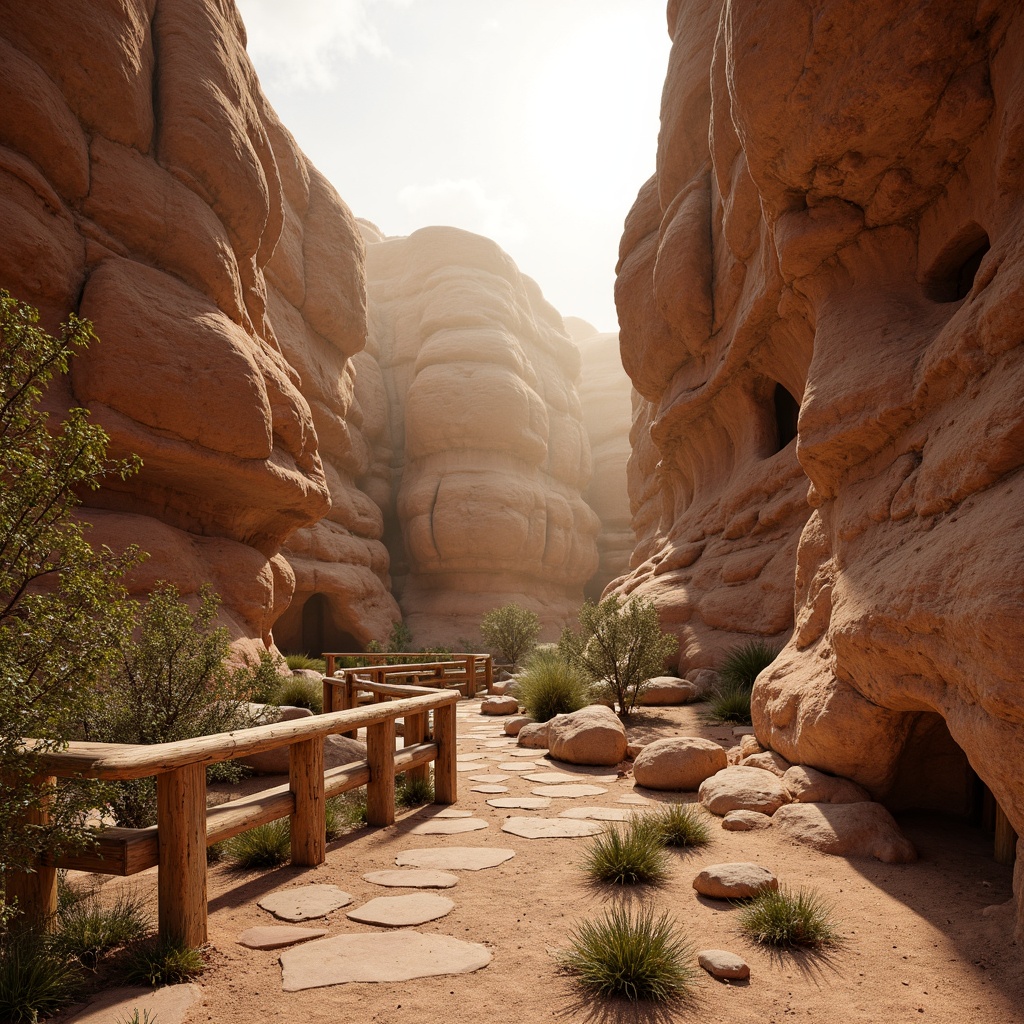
column 146, row 183
column 837, row 219
column 605, row 396
column 490, row 455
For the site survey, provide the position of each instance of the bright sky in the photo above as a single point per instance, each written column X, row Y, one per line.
column 533, row 122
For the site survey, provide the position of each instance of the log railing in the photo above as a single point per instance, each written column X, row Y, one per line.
column 176, row 845
column 468, row 672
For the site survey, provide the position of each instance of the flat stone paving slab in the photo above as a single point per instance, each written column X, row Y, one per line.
column 305, row 902
column 533, row 752
column 633, row 798
column 412, row 878
column 528, row 803
column 451, row 812
column 518, row 766
column 378, row 957
column 455, row 858
column 550, row 828
column 448, row 826
column 489, row 789
column 488, row 777
column 564, row 778
column 170, row 1004
column 277, row 936
column 471, row 766
column 598, row 813
column 470, row 757
column 402, row 911
column 570, row 791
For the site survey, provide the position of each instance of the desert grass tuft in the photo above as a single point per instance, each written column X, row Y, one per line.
column 299, row 661
column 264, row 846
column 158, row 962
column 548, row 686
column 413, row 792
column 299, row 692
column 86, row 929
column 680, row 825
column 745, row 662
column 637, row 957
column 787, row 918
column 36, row 977
column 631, row 855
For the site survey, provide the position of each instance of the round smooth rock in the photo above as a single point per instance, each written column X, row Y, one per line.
column 568, row 792
column 277, row 936
column 736, row 881
column 514, row 724
column 767, row 760
column 402, row 911
column 499, row 706
column 412, row 878
column 535, row 734
column 550, row 828
column 455, row 858
column 304, row 902
column 526, row 803
column 748, row 789
column 720, row 963
column 809, row 786
column 847, row 830
column 745, row 821
column 447, row 826
column 678, row 763
column 592, row 735
column 667, row 690
column 378, row 957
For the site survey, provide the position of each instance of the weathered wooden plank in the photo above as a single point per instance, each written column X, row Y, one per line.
column 116, row 851
column 380, row 755
column 414, row 731
column 181, row 881
column 36, row 891
column 306, row 782
column 446, row 789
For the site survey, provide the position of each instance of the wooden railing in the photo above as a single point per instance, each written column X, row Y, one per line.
column 185, row 826
column 467, row 672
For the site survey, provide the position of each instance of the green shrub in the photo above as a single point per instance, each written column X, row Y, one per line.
column 548, row 685
column 679, row 825
column 36, row 978
column 631, row 855
column 728, row 704
column 512, row 631
column 264, row 846
column 620, row 644
column 86, row 929
column 157, row 962
column 640, row 958
column 297, row 661
column 786, row 918
column 412, row 792
column 297, row 692
column 745, row 662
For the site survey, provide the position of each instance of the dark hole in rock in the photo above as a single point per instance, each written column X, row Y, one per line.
column 787, row 412
column 952, row 275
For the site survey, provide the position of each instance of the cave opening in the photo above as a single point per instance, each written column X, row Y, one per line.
column 309, row 627
column 787, row 414
column 952, row 276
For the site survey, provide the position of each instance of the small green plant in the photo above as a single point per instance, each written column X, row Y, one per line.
column 412, row 792
column 511, row 630
column 398, row 641
column 619, row 643
column 156, row 963
column 728, row 704
column 297, row 692
column 788, row 918
column 145, row 1018
column 297, row 661
column 729, row 701
column 640, row 958
column 264, row 846
column 36, row 978
column 631, row 855
column 679, row 825
column 549, row 685
column 86, row 929
column 350, row 812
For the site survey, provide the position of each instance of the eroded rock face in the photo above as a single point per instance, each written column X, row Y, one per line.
column 851, row 240
column 487, row 441
column 163, row 200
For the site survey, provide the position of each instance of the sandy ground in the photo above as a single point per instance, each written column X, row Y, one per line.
column 915, row 943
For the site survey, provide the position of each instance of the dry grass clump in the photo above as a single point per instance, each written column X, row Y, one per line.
column 787, row 918
column 680, row 825
column 632, row 855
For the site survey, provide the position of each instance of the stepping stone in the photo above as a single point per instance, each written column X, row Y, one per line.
column 736, row 881
column 518, row 766
column 470, row 757
column 402, row 911
column 722, row 964
column 447, row 827
column 304, row 902
column 489, row 789
column 498, row 743
column 277, row 936
column 170, row 1003
column 598, row 813
column 633, row 798
column 470, row 766
column 527, row 803
column 455, row 858
column 568, row 791
column 550, row 828
column 558, row 778
column 452, row 812
column 378, row 957
column 412, row 878
column 532, row 752
column 492, row 777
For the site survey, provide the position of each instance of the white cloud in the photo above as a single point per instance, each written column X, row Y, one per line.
column 463, row 203
column 301, row 39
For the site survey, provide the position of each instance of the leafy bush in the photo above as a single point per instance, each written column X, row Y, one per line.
column 620, row 643
column 549, row 685
column 789, row 919
column 729, row 701
column 296, row 692
column 413, row 792
column 679, row 825
column 398, row 641
column 86, row 929
column 631, row 855
column 161, row 962
column 510, row 630
column 297, row 661
column 63, row 607
column 264, row 846
column 36, row 978
column 640, row 958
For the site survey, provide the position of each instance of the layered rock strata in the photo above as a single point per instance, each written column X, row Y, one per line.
column 821, row 296
column 146, row 184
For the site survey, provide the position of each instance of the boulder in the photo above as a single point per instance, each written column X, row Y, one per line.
column 737, row 788
column 749, row 745
column 735, row 881
column 338, row 750
column 678, row 763
column 534, row 734
column 592, row 735
column 499, row 706
column 809, row 786
column 769, row 761
column 848, row 830
column 704, row 679
column 745, row 821
column 514, row 724
column 666, row 691
column 734, row 755
column 720, row 963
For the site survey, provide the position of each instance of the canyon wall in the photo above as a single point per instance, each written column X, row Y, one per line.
column 488, row 453
column 836, row 230
column 146, row 184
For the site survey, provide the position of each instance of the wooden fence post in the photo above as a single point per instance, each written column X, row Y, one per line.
column 445, row 776
column 380, row 756
column 308, row 820
column 489, row 673
column 470, row 676
column 36, row 891
column 181, row 882
column 414, row 730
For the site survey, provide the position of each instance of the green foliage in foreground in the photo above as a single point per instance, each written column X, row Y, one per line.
column 511, row 630
column 264, row 846
column 86, row 928
column 729, row 701
column 36, row 977
column 297, row 692
column 156, row 963
column 637, row 957
column 786, row 918
column 680, row 825
column 549, row 685
column 620, row 644
column 297, row 661
column 631, row 855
